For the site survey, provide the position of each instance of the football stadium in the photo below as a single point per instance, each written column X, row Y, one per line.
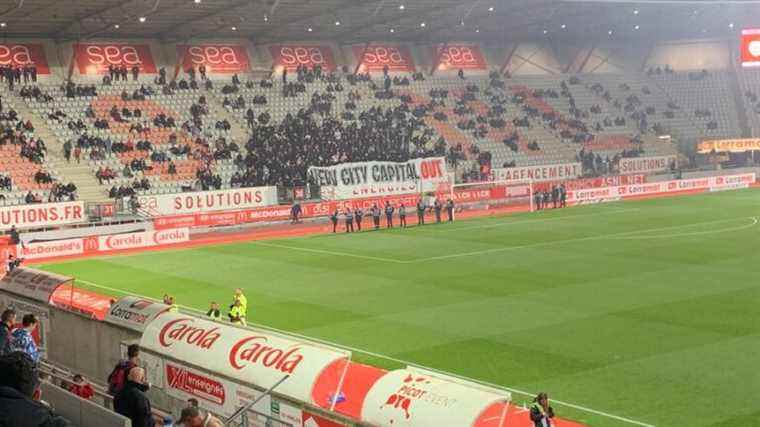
column 380, row 213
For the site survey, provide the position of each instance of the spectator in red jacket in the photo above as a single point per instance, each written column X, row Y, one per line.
column 81, row 387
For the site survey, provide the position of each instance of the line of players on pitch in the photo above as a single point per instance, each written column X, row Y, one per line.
column 356, row 216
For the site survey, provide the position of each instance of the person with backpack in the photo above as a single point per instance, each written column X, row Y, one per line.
column 132, row 402
column 118, row 376
column 7, row 321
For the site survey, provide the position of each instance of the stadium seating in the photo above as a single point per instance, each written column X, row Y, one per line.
column 39, row 178
column 493, row 121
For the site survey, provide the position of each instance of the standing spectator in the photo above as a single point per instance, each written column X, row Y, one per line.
column 81, row 388
column 67, row 151
column 192, row 417
column 118, row 376
column 6, row 326
column 388, row 215
column 450, row 209
column 540, row 412
column 22, row 339
column 132, row 402
column 135, row 72
column 334, row 220
column 18, row 383
column 349, row 220
column 420, row 212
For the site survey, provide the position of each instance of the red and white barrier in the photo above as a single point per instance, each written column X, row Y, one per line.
column 713, row 183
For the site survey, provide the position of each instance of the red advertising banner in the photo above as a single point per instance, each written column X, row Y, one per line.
column 81, row 301
column 750, row 47
column 95, row 58
column 375, row 58
column 459, row 56
column 291, row 56
column 22, row 55
column 217, row 58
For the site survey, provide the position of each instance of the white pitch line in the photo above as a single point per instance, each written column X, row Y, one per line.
column 578, row 239
column 558, row 218
column 696, row 233
column 326, row 252
column 392, row 359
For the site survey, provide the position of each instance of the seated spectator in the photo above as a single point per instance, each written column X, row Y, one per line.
column 81, row 387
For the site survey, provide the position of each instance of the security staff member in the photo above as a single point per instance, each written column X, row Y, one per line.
column 402, row 215
column 358, row 214
column 562, row 196
column 237, row 314
column 334, row 219
column 555, row 196
column 349, row 221
column 420, row 212
column 388, row 215
column 450, row 209
column 538, row 198
column 437, row 207
column 376, row 216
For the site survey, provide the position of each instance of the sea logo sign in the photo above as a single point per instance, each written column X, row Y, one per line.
column 23, row 55
column 217, row 58
column 292, row 56
column 459, row 56
column 375, row 58
column 93, row 59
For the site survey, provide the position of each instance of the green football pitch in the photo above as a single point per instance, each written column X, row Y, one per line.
column 646, row 310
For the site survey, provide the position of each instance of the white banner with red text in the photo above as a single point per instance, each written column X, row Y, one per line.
column 712, row 183
column 557, row 172
column 41, row 215
column 208, row 201
column 93, row 245
column 254, row 357
column 366, row 179
column 410, row 398
column 638, row 165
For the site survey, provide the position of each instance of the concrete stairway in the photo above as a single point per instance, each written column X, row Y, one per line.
column 88, row 188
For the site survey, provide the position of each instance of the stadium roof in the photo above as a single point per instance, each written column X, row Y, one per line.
column 365, row 20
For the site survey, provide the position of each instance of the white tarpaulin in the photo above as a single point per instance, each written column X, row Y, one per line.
column 134, row 312
column 254, row 357
column 367, row 179
column 208, row 201
column 34, row 284
column 411, row 398
column 539, row 173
